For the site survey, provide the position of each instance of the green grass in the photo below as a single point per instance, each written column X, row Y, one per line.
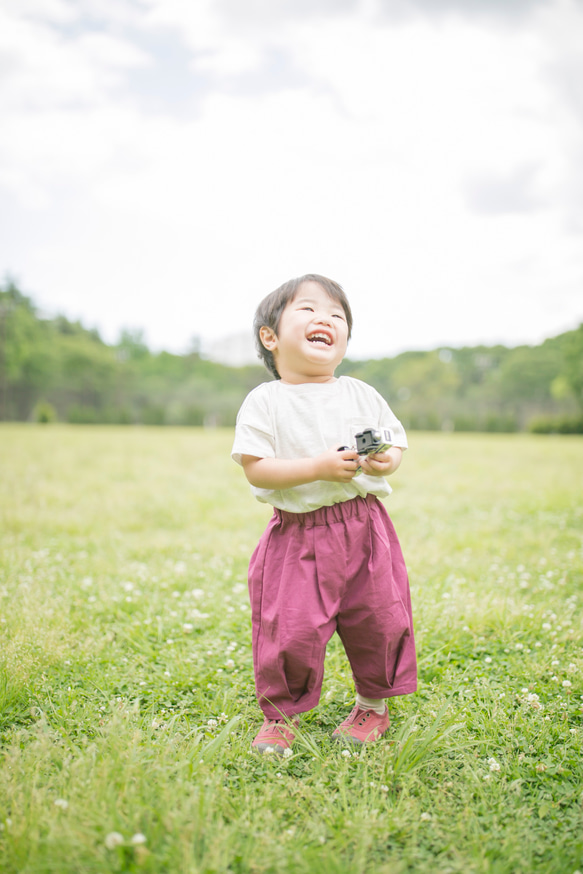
column 126, row 690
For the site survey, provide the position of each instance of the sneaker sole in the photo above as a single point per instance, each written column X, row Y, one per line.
column 263, row 747
column 348, row 739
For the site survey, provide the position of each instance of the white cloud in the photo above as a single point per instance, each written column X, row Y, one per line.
column 423, row 165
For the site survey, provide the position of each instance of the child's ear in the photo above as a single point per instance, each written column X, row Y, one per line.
column 268, row 338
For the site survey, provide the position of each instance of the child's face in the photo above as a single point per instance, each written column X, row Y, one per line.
column 312, row 336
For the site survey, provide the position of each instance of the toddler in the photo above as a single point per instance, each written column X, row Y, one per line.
column 329, row 559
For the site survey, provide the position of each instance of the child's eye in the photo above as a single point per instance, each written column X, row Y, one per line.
column 337, row 316
column 311, row 309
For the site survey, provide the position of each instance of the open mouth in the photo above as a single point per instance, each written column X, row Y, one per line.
column 318, row 337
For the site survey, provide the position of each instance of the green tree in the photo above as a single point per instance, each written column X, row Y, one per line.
column 572, row 369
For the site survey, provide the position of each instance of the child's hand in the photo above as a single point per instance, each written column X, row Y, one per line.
column 382, row 463
column 337, row 465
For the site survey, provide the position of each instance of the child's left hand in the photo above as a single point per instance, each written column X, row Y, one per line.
column 382, row 463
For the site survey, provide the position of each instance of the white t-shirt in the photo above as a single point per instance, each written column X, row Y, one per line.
column 278, row 420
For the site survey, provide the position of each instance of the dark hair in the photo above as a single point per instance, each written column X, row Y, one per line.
column 269, row 311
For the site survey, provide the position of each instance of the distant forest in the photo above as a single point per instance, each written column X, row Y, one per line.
column 52, row 369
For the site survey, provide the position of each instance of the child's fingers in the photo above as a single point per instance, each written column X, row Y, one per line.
column 371, row 465
column 380, row 456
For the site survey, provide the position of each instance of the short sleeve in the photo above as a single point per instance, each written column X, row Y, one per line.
column 253, row 431
column 389, row 420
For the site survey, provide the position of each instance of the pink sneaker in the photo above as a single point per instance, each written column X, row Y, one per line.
column 362, row 726
column 275, row 736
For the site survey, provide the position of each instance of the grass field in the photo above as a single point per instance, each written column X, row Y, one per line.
column 126, row 691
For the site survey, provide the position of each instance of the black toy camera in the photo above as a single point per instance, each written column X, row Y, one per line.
column 373, row 440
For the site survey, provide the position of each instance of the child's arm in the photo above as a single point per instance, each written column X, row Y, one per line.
column 286, row 473
column 383, row 463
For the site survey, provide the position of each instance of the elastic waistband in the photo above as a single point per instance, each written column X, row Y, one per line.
column 328, row 515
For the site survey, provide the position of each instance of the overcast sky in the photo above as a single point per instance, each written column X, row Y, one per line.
column 164, row 164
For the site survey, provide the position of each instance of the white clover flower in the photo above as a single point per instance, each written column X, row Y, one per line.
column 384, row 788
column 269, row 751
column 518, row 646
column 229, row 663
column 541, row 767
column 346, row 753
column 288, row 753
column 62, row 803
column 573, row 731
column 488, row 660
column 494, row 765
column 138, row 839
column 187, row 627
column 567, row 684
column 425, row 817
column 212, row 723
column 113, row 840
column 572, row 668
column 547, row 626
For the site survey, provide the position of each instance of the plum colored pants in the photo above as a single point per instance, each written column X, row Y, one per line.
column 338, row 568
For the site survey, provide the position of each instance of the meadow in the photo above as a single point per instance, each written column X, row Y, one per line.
column 127, row 704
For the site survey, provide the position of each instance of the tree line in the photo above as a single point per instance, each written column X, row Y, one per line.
column 56, row 369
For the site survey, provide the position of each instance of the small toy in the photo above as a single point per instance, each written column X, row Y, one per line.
column 373, row 440
column 370, row 441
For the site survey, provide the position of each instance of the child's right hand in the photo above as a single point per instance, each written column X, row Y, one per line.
column 337, row 465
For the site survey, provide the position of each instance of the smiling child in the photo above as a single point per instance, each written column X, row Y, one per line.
column 329, row 560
